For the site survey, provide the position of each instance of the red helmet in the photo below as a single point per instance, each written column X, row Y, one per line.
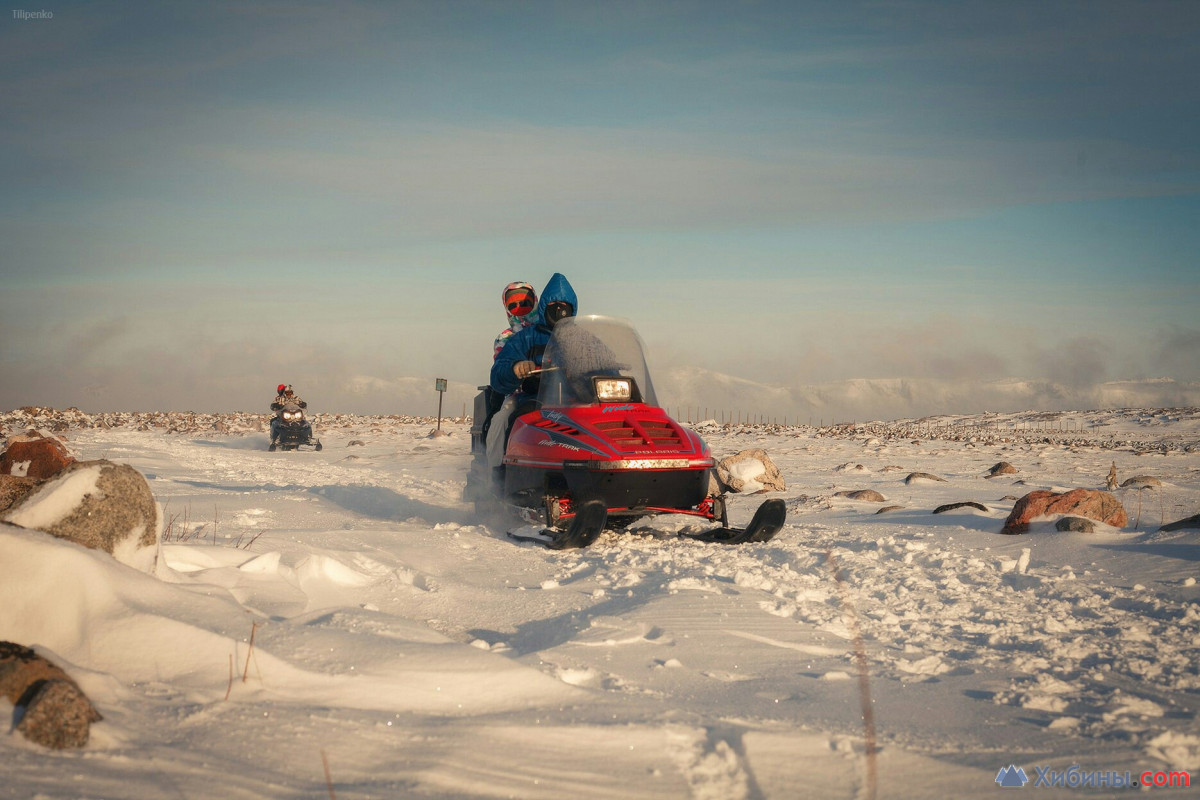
column 282, row 386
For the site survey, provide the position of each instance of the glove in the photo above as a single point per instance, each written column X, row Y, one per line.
column 523, row 369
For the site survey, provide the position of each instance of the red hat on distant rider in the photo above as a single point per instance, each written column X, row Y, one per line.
column 281, row 388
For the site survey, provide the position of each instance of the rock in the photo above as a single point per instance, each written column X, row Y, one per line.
column 57, row 712
column 97, row 504
column 1076, row 524
column 1140, row 482
column 21, row 667
column 850, row 466
column 58, row 716
column 889, row 508
column 952, row 506
column 750, row 471
column 870, row 495
column 915, row 477
column 1090, row 503
column 13, row 488
column 34, row 455
column 1003, row 468
column 1190, row 523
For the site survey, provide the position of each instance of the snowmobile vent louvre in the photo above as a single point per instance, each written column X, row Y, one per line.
column 627, row 435
column 662, row 433
column 557, row 427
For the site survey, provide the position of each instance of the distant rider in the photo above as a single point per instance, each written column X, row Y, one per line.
column 284, row 395
column 522, row 354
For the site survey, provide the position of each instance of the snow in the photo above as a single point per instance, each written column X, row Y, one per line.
column 346, row 605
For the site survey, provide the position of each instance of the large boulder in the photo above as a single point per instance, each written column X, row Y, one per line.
column 750, row 471
column 34, row 455
column 1089, row 503
column 97, row 504
column 57, row 714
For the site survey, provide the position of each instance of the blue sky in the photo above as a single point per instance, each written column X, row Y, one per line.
column 788, row 192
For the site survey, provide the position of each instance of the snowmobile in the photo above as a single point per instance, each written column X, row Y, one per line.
column 291, row 430
column 594, row 446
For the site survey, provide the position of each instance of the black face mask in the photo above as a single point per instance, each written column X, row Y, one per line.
column 557, row 311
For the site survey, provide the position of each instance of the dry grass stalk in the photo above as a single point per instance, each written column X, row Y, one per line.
column 246, row 671
column 328, row 777
column 229, row 688
column 864, row 680
column 240, row 546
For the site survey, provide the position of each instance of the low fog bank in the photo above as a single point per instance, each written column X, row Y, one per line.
column 712, row 394
column 687, row 392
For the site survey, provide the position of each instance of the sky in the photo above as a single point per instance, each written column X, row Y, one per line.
column 201, row 200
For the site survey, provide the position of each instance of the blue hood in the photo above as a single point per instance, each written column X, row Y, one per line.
column 558, row 290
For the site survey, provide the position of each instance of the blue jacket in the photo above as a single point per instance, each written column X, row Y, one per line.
column 528, row 344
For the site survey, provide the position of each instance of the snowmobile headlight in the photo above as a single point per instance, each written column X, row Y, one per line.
column 613, row 390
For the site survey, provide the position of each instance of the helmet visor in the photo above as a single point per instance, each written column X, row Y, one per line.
column 519, row 302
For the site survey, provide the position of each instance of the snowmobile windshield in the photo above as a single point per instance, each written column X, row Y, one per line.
column 594, row 359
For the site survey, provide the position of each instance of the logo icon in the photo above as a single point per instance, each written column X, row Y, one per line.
column 1012, row 777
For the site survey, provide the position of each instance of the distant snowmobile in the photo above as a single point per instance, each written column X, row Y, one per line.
column 595, row 444
column 290, row 429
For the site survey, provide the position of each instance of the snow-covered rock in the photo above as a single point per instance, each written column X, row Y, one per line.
column 34, row 454
column 1089, row 503
column 97, row 504
column 750, row 471
column 55, row 712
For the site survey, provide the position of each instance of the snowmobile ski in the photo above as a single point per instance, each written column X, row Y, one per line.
column 586, row 525
column 767, row 522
